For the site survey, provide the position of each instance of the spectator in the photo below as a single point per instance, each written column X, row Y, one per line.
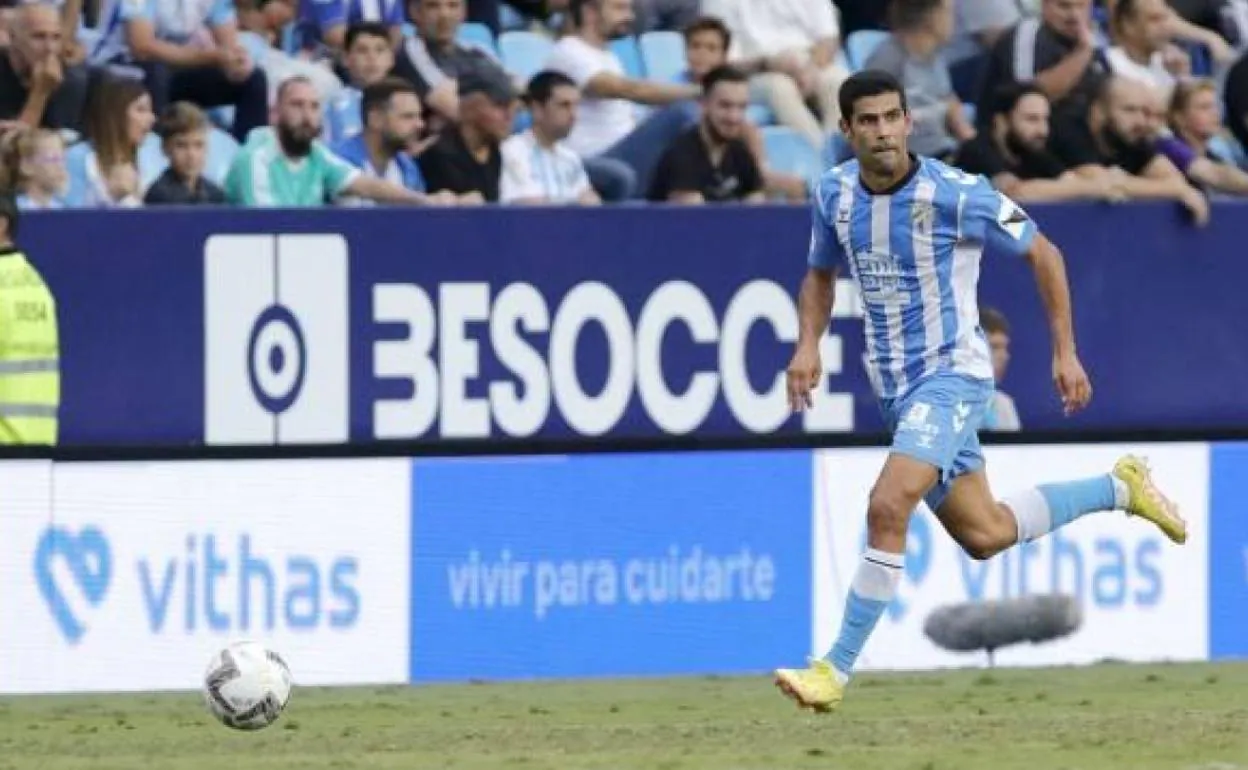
column 328, row 21
column 186, row 52
column 1013, row 153
column 262, row 25
column 665, row 14
column 32, row 168
column 711, row 163
column 1193, row 122
column 1144, row 51
column 978, row 25
column 183, row 133
column 538, row 168
column 287, row 166
column 119, row 117
column 619, row 152
column 1235, row 93
column 912, row 55
column 36, row 88
column 392, row 122
column 798, row 41
column 369, row 60
column 467, row 158
column 1114, row 139
column 434, row 59
column 1204, row 23
column 1002, row 414
column 1057, row 51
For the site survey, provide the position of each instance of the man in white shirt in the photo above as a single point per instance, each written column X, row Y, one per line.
column 1143, row 49
column 797, row 41
column 619, row 150
column 537, row 167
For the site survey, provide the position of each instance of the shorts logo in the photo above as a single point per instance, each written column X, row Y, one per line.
column 918, row 421
column 87, row 560
column 960, row 413
column 276, row 321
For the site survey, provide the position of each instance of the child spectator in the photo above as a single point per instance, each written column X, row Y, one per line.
column 369, row 60
column 34, row 169
column 1002, row 415
column 183, row 132
column 119, row 116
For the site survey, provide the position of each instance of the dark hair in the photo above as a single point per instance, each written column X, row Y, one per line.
column 378, row 95
column 865, row 84
column 9, row 213
column 722, row 74
column 576, row 9
column 709, row 24
column 365, row 29
column 542, row 86
column 1007, row 97
column 993, row 321
column 906, row 15
column 1124, row 10
column 107, row 120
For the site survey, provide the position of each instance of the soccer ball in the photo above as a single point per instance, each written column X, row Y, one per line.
column 247, row 686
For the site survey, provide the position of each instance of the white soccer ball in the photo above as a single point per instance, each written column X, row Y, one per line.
column 247, row 686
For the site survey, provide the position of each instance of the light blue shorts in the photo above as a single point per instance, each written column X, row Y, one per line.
column 938, row 423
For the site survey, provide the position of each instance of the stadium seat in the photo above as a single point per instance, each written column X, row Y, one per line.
column 221, row 150
column 861, row 44
column 630, row 56
column 473, row 33
column 760, row 114
column 524, row 53
column 663, row 53
column 787, row 152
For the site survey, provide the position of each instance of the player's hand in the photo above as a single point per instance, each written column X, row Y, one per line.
column 1072, row 383
column 802, row 376
column 1197, row 205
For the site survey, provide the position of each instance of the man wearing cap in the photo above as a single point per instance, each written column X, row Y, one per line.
column 467, row 156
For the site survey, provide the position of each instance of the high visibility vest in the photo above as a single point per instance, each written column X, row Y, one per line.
column 30, row 378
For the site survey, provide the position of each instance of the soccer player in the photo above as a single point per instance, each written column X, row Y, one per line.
column 912, row 232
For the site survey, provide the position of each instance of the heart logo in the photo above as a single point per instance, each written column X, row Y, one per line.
column 90, row 564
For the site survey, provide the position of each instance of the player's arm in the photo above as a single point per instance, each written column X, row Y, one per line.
column 1068, row 375
column 814, row 302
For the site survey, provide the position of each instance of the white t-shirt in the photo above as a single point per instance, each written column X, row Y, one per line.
column 600, row 123
column 1154, row 74
column 533, row 171
column 770, row 27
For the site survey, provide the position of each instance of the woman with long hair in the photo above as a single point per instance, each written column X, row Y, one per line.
column 119, row 117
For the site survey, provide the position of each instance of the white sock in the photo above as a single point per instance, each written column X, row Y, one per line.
column 1122, row 493
column 1031, row 511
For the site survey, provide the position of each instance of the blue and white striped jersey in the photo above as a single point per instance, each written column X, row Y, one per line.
column 914, row 254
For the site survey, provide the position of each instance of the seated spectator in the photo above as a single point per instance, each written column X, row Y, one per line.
column 537, row 167
column 32, row 168
column 183, row 133
column 1143, row 50
column 119, row 117
column 978, row 25
column 36, row 88
column 797, row 41
column 288, row 167
column 327, row 21
column 467, row 158
column 1114, row 139
column 619, row 152
column 711, row 163
column 186, row 53
column 1013, row 153
column 435, row 58
column 1002, row 414
column 1194, row 121
column 369, row 60
column 912, row 55
column 1058, row 51
column 262, row 28
column 1203, row 22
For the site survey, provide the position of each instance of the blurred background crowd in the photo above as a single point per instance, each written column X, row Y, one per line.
column 579, row 102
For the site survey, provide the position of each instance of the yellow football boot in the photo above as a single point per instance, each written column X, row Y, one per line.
column 815, row 687
column 1147, row 501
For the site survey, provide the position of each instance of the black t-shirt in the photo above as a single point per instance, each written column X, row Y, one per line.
column 169, row 189
column 450, row 165
column 981, row 156
column 1202, row 13
column 686, row 166
column 1047, row 50
column 426, row 68
column 65, row 108
column 1073, row 144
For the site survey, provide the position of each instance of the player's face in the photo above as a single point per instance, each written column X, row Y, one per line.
column 369, row 60
column 724, row 108
column 1029, row 122
column 999, row 342
column 877, row 130
column 558, row 115
column 1067, row 17
column 704, row 52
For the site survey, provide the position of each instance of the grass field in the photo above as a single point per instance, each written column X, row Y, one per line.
column 1180, row 717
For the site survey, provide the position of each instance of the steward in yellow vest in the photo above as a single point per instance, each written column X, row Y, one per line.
column 30, row 380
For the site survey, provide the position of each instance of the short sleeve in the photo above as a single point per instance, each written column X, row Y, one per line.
column 338, row 173
column 516, row 182
column 1006, row 227
column 222, row 12
column 825, row 249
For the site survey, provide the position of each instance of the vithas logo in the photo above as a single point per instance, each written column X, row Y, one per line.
column 72, row 570
column 275, row 317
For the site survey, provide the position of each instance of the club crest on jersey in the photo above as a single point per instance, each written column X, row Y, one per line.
column 922, row 213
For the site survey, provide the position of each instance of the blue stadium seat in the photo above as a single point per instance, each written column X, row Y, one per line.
column 630, row 56
column 473, row 33
column 663, row 53
column 509, row 19
column 760, row 114
column 524, row 53
column 861, row 44
column 788, row 153
column 222, row 147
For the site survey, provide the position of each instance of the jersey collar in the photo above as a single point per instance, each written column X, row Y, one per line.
column 915, row 163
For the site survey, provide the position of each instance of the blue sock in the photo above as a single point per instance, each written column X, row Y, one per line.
column 874, row 586
column 1048, row 507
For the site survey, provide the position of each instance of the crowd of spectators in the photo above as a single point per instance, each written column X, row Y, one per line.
column 123, row 103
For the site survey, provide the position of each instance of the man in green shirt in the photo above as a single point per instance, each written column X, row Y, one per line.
column 287, row 166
